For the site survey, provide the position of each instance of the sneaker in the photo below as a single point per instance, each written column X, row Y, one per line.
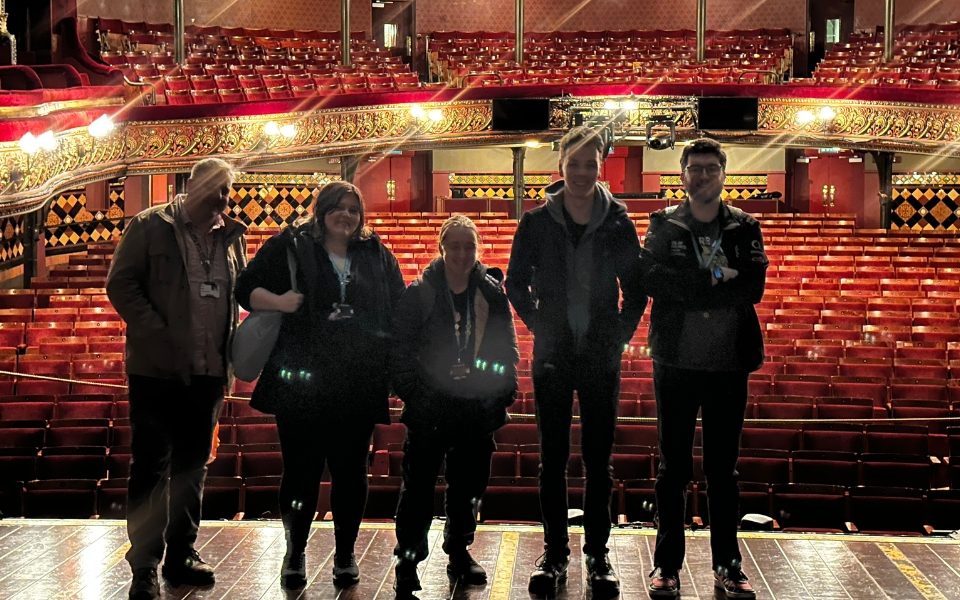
column 188, row 569
column 603, row 581
column 462, row 566
column 551, row 572
column 733, row 583
column 663, row 584
column 144, row 584
column 293, row 575
column 406, row 581
column 345, row 569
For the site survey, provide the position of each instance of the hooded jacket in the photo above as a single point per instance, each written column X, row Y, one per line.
column 670, row 273
column 148, row 287
column 544, row 264
column 425, row 349
column 336, row 370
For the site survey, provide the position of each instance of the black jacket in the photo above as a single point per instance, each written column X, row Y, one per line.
column 537, row 281
column 425, row 348
column 670, row 273
column 322, row 368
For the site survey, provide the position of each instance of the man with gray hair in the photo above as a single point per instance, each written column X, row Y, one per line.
column 172, row 281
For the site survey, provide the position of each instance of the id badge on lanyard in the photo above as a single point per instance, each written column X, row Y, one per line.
column 714, row 248
column 460, row 371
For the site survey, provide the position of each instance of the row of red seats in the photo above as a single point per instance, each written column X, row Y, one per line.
column 607, row 36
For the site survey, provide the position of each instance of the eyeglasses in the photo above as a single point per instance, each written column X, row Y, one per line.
column 711, row 170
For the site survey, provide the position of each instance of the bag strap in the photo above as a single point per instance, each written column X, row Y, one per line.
column 292, row 264
column 427, row 297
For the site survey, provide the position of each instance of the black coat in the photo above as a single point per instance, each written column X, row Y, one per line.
column 426, row 347
column 670, row 273
column 336, row 370
column 537, row 283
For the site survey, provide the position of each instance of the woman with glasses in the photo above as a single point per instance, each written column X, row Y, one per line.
column 326, row 380
column 454, row 367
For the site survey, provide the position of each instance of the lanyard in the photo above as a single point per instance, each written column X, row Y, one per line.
column 205, row 261
column 343, row 275
column 463, row 335
column 704, row 264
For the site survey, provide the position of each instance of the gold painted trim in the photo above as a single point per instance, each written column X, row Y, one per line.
column 42, row 110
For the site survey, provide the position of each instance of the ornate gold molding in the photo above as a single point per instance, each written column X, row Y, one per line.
column 47, row 108
column 148, row 147
column 867, row 125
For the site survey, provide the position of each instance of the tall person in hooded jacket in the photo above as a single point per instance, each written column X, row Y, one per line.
column 454, row 366
column 571, row 259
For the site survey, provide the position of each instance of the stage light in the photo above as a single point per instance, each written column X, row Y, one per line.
column 435, row 114
column 661, row 132
column 532, row 144
column 417, row 112
column 289, row 130
column 827, row 114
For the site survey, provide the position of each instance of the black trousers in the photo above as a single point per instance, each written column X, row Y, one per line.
column 171, row 425
column 467, row 473
column 306, row 445
column 597, row 384
column 721, row 398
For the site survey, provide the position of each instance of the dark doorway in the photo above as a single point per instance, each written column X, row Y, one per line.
column 829, row 22
column 394, row 25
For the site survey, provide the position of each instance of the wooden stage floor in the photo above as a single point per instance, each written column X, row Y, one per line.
column 42, row 559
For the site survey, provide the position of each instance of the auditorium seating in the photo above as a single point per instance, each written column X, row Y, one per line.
column 482, row 58
column 236, row 64
column 853, row 330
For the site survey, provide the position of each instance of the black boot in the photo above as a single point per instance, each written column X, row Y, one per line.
column 407, row 581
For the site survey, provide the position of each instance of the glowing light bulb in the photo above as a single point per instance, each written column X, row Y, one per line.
column 29, row 144
column 101, row 127
column 805, row 117
column 271, row 128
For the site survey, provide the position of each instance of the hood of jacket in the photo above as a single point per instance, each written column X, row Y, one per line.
column 607, row 204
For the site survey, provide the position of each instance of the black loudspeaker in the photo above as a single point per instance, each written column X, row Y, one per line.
column 727, row 113
column 521, row 114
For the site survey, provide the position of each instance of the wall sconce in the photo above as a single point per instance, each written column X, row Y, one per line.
column 101, row 127
column 391, row 190
column 424, row 117
column 822, row 118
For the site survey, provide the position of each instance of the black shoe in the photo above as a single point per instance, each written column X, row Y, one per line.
column 462, row 566
column 144, row 584
column 406, row 581
column 187, row 570
column 733, row 583
column 603, row 581
column 345, row 570
column 293, row 574
column 551, row 572
column 663, row 584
